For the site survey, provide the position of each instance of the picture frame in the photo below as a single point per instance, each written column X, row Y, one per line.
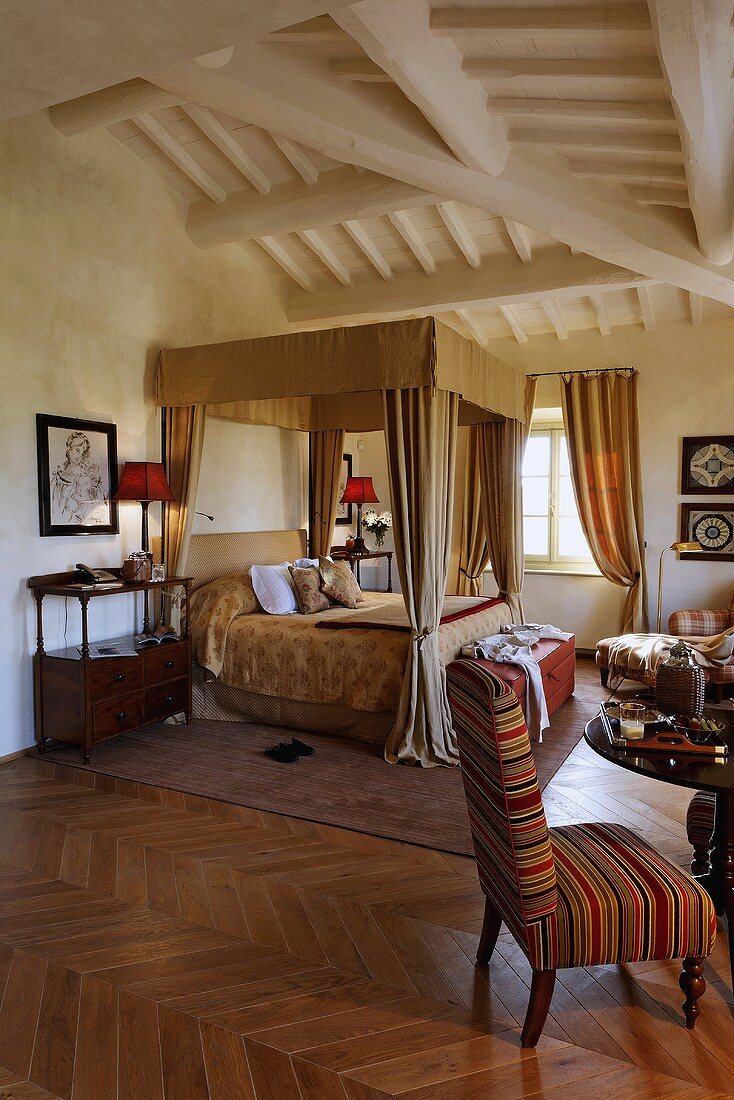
column 77, row 476
column 712, row 524
column 345, row 512
column 708, row 464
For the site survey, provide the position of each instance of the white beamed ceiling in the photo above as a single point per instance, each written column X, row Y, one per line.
column 579, row 86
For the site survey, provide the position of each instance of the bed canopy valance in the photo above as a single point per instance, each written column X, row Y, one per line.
column 315, row 381
column 416, row 380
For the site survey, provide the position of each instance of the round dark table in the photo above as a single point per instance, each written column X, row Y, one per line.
column 700, row 774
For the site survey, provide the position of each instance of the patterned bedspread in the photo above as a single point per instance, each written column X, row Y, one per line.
column 287, row 656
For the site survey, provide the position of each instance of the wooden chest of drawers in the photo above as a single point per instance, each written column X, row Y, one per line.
column 85, row 701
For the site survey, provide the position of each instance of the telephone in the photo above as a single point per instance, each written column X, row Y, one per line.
column 95, row 576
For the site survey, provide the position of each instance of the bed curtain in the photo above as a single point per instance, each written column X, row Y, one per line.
column 420, row 433
column 327, row 449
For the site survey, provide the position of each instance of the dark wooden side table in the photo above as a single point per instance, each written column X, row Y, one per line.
column 340, row 553
column 85, row 700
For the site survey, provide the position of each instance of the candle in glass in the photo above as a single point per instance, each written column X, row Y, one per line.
column 631, row 721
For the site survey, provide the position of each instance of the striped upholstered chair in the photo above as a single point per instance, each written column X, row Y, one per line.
column 578, row 895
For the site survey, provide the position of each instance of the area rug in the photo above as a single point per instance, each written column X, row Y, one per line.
column 345, row 783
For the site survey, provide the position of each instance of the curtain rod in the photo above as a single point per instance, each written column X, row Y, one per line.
column 588, row 373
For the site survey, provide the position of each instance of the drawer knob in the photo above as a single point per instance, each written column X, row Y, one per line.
column 120, row 715
column 119, row 677
column 168, row 699
column 168, row 664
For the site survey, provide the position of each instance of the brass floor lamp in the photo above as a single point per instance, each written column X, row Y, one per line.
column 680, row 548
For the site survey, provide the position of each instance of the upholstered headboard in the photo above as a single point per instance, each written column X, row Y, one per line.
column 218, row 555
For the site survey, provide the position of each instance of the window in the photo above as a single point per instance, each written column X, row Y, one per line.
column 554, row 539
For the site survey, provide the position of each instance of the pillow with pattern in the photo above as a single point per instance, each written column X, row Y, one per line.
column 307, row 583
column 339, row 584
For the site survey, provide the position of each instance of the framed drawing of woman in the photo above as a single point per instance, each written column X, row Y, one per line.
column 77, row 476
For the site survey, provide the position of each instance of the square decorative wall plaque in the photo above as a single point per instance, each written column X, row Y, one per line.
column 708, row 464
column 712, row 525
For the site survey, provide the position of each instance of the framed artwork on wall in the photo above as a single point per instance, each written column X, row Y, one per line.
column 708, row 464
column 77, row 476
column 345, row 512
column 713, row 526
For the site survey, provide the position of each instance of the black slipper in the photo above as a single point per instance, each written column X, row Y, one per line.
column 300, row 748
column 283, row 753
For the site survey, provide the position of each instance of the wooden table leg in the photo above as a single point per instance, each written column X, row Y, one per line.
column 721, row 886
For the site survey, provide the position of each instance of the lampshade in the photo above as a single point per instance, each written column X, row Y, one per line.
column 359, row 490
column 143, row 481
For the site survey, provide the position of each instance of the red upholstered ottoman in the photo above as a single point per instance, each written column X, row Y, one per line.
column 557, row 662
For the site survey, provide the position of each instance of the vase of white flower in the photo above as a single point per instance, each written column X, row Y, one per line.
column 377, row 525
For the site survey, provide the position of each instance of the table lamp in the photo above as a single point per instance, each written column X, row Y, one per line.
column 144, row 482
column 359, row 491
column 680, row 548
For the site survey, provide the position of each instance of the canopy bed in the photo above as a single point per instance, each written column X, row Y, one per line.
column 417, row 381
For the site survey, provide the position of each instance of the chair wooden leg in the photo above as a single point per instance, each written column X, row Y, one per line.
column 693, row 984
column 490, row 932
column 541, row 992
column 604, row 677
column 701, row 862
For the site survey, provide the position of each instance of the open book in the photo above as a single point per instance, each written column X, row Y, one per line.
column 164, row 633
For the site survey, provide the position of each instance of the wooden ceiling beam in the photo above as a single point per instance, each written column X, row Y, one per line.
column 625, row 19
column 397, row 40
column 520, row 240
column 629, row 170
column 183, row 160
column 647, row 311
column 302, row 101
column 457, row 286
column 554, row 315
column 228, row 146
column 454, row 221
column 298, row 157
column 110, row 105
column 326, row 254
column 660, row 195
column 695, row 306
column 517, row 330
column 363, row 241
column 472, row 326
column 339, row 195
column 407, row 229
column 285, row 261
column 322, row 28
column 602, row 314
column 638, row 111
column 664, row 146
column 632, row 70
column 693, row 47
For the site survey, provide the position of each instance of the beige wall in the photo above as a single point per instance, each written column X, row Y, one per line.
column 686, row 387
column 96, row 274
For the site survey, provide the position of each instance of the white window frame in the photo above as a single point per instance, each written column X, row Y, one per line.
column 554, row 562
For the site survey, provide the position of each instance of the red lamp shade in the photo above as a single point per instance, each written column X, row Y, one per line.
column 359, row 490
column 143, row 481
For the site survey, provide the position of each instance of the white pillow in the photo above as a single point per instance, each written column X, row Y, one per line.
column 274, row 588
column 304, row 563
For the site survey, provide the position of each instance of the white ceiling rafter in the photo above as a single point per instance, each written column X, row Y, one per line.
column 472, row 326
column 602, row 314
column 641, row 71
column 520, row 239
column 517, row 330
column 298, row 157
column 553, row 313
column 656, row 112
column 410, row 233
column 183, row 160
column 326, row 254
column 363, row 241
column 228, row 146
column 695, row 306
column 284, row 260
column 454, row 221
column 625, row 19
column 647, row 311
column 646, row 143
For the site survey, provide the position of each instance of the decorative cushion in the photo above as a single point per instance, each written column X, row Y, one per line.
column 338, row 583
column 621, row 901
column 307, row 583
column 700, row 819
column 274, row 588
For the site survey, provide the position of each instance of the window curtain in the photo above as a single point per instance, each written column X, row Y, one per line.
column 500, row 450
column 600, row 416
column 184, row 446
column 327, row 449
column 420, row 433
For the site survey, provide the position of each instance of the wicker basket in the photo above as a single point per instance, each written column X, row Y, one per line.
column 680, row 683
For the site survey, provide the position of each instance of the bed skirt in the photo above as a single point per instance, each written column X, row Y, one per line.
column 218, row 702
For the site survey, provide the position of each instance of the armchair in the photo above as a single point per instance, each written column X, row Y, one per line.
column 578, row 895
column 695, row 623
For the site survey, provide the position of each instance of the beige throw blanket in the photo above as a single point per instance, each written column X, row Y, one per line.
column 644, row 652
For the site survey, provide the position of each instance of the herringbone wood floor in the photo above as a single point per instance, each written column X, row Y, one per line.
column 155, row 945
